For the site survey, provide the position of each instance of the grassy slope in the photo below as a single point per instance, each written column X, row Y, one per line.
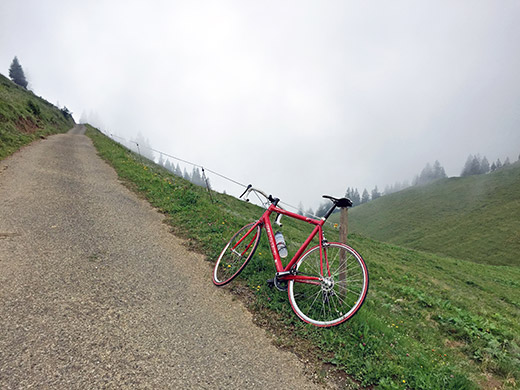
column 429, row 322
column 25, row 117
column 476, row 218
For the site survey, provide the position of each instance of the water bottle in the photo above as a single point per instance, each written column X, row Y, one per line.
column 280, row 244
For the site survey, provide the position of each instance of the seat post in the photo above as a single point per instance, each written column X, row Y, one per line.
column 331, row 210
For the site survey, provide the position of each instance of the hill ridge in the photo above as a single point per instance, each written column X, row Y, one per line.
column 25, row 117
column 475, row 218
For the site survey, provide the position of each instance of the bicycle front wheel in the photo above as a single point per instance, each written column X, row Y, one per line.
column 236, row 254
column 330, row 288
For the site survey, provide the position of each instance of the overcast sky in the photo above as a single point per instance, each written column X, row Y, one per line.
column 300, row 98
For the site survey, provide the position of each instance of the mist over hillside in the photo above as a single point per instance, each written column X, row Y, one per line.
column 476, row 218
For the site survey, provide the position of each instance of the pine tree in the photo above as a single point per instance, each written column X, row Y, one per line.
column 322, row 209
column 365, row 197
column 196, row 178
column 484, row 165
column 186, row 175
column 375, row 193
column 438, row 170
column 472, row 166
column 178, row 170
column 356, row 199
column 16, row 73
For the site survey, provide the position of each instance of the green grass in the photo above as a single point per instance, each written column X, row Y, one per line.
column 429, row 322
column 25, row 117
column 475, row 218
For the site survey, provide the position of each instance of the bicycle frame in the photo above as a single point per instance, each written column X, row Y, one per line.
column 285, row 272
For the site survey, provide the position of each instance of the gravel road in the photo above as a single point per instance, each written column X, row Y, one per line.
column 96, row 293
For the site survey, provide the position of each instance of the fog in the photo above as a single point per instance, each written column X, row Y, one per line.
column 299, row 98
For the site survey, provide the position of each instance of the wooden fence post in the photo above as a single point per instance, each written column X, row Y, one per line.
column 343, row 225
column 343, row 232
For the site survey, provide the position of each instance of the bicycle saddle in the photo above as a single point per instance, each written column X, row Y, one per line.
column 339, row 202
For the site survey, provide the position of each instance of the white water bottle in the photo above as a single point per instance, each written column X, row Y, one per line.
column 280, row 244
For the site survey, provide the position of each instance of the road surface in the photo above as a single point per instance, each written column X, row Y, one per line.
column 95, row 292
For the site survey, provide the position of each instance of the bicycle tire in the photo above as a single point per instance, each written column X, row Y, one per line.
column 236, row 254
column 334, row 298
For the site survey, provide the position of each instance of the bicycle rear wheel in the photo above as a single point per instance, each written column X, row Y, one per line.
column 329, row 295
column 236, row 254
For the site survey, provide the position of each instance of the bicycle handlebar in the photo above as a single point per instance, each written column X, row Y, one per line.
column 270, row 198
column 250, row 188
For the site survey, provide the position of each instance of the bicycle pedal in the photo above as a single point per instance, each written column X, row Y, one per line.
column 270, row 283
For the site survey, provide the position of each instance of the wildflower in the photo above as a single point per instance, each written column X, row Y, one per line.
column 404, row 381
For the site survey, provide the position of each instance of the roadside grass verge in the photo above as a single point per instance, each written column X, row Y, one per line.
column 428, row 322
column 25, row 117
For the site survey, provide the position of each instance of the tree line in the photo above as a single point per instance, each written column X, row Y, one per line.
column 195, row 177
column 475, row 165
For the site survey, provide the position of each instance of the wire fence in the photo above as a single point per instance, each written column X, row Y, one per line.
column 145, row 151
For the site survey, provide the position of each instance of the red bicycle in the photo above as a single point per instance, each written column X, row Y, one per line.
column 327, row 284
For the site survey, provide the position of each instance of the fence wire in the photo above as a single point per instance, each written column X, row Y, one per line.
column 204, row 170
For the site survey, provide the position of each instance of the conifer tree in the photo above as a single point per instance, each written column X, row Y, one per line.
column 365, row 197
column 484, row 165
column 356, row 199
column 472, row 166
column 178, row 170
column 438, row 170
column 16, row 73
column 196, row 177
column 375, row 193
column 322, row 209
column 186, row 175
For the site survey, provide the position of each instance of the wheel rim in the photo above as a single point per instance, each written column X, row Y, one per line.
column 337, row 297
column 235, row 255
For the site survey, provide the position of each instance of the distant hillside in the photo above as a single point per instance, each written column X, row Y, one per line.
column 24, row 117
column 476, row 218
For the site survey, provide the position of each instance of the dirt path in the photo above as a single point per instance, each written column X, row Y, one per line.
column 96, row 293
